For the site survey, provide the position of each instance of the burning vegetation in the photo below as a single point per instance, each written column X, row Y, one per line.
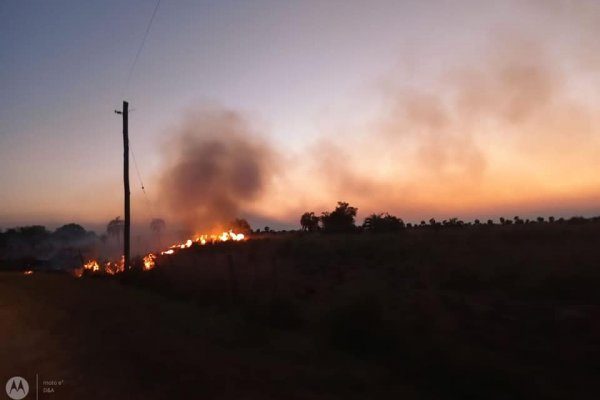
column 149, row 260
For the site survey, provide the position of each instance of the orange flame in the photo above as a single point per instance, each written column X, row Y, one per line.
column 149, row 260
column 92, row 265
column 115, row 268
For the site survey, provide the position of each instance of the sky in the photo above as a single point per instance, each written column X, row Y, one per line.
column 422, row 109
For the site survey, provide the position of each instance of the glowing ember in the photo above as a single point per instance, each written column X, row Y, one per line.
column 77, row 272
column 28, row 272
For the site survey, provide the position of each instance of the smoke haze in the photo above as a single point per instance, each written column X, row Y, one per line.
column 215, row 167
column 508, row 128
column 500, row 132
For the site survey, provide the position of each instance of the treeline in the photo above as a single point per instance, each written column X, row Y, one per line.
column 36, row 242
column 65, row 247
column 343, row 219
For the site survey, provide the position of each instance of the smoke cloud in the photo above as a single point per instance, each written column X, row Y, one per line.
column 512, row 128
column 216, row 166
column 488, row 136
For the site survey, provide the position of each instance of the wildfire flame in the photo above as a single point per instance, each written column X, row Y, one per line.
column 149, row 262
column 108, row 267
column 112, row 268
column 115, row 268
column 92, row 265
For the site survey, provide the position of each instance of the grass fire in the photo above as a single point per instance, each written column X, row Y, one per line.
column 300, row 200
column 148, row 261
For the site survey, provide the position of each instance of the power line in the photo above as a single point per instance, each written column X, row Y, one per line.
column 137, row 170
column 139, row 176
column 137, row 55
column 129, row 75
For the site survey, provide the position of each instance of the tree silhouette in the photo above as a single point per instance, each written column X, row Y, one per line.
column 455, row 222
column 309, row 222
column 70, row 232
column 158, row 226
column 339, row 220
column 115, row 228
column 379, row 223
column 240, row 225
column 33, row 235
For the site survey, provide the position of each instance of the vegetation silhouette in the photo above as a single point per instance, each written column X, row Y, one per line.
column 240, row 225
column 309, row 222
column 158, row 226
column 115, row 229
column 383, row 223
column 71, row 232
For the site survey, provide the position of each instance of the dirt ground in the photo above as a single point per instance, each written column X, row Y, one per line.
column 98, row 339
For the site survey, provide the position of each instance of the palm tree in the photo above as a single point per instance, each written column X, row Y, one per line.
column 339, row 220
column 115, row 228
column 158, row 225
column 241, row 225
column 383, row 223
column 309, row 222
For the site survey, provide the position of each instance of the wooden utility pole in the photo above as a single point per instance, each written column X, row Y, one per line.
column 127, row 233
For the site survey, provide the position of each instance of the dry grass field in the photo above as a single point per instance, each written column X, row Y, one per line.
column 467, row 313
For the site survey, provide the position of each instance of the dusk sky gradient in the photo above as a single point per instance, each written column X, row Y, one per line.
column 419, row 108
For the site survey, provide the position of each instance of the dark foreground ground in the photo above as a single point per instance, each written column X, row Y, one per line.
column 477, row 313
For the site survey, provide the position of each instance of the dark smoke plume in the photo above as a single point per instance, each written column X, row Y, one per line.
column 216, row 166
